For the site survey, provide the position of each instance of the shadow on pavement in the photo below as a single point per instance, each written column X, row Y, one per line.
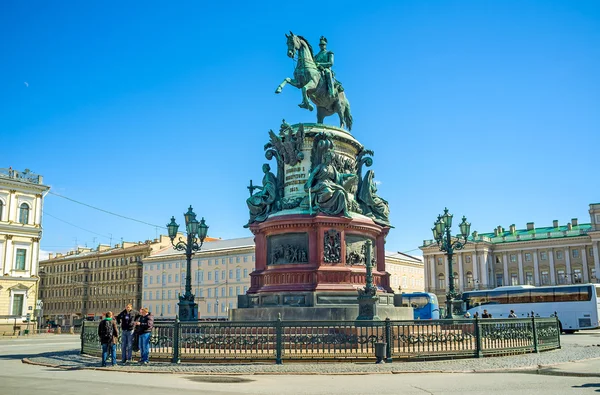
column 590, row 385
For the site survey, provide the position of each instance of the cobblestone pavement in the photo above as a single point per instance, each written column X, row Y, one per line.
column 72, row 360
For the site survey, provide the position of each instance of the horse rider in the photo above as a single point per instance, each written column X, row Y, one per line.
column 324, row 61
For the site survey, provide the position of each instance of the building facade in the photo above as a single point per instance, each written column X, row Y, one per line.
column 21, row 203
column 86, row 283
column 560, row 254
column 220, row 272
column 406, row 272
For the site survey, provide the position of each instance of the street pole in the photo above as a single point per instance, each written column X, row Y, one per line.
column 441, row 234
column 188, row 308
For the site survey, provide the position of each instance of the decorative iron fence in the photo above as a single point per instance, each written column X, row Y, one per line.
column 341, row 340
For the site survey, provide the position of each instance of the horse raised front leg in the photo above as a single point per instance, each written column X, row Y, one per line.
column 288, row 80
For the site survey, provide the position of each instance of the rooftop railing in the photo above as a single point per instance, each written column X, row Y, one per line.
column 25, row 175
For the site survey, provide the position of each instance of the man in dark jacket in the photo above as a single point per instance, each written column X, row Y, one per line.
column 143, row 328
column 108, row 334
column 127, row 319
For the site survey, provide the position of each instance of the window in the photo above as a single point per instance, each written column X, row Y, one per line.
column 24, row 213
column 575, row 253
column 231, row 273
column 514, row 279
column 237, row 290
column 17, row 305
column 169, row 294
column 237, row 259
column 468, row 259
column 499, row 279
column 404, row 282
column 245, row 259
column 544, row 256
column 513, row 258
column 209, row 307
column 210, row 293
column 145, row 295
column 441, row 281
column 238, row 273
column 245, row 272
column 223, row 275
column 176, row 278
column 469, row 279
column 145, row 282
column 20, row 259
column 230, row 291
column 439, row 261
column 151, row 279
column 577, row 276
column 223, row 292
column 561, row 276
column 528, row 257
column 559, row 255
column 1, row 208
column 529, row 278
column 209, row 276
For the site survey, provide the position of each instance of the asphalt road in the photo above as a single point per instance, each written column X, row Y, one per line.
column 18, row 378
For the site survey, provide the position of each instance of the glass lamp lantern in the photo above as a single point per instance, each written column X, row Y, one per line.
column 172, row 228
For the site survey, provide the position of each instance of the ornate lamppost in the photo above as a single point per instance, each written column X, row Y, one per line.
column 196, row 233
column 441, row 234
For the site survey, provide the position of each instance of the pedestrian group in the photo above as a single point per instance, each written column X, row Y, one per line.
column 136, row 329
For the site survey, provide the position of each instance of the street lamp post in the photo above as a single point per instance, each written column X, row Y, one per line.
column 196, row 233
column 441, row 234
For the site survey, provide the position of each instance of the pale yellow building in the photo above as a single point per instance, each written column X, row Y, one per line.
column 21, row 201
column 406, row 272
column 557, row 254
column 220, row 272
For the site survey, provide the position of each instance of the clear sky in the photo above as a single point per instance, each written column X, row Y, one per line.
column 142, row 108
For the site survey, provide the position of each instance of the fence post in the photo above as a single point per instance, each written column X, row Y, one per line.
column 478, row 342
column 557, row 328
column 278, row 339
column 176, row 330
column 81, row 335
column 388, row 340
column 535, row 337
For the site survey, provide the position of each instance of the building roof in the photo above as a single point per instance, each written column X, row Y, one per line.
column 541, row 233
column 210, row 246
column 404, row 257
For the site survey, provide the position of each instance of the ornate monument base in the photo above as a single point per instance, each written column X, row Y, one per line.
column 312, row 224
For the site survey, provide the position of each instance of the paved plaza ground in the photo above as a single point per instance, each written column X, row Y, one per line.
column 58, row 369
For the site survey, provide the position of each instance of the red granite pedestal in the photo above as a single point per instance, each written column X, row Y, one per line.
column 307, row 284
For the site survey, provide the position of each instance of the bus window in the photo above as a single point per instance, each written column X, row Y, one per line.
column 498, row 297
column 585, row 293
column 542, row 295
column 519, row 296
column 568, row 294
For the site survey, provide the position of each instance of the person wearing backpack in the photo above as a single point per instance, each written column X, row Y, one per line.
column 108, row 334
column 127, row 319
column 143, row 328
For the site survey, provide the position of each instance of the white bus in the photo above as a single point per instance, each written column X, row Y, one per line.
column 576, row 305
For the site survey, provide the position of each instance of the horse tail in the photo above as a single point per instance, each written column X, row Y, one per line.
column 348, row 116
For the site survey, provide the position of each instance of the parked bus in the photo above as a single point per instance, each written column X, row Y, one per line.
column 576, row 305
column 425, row 305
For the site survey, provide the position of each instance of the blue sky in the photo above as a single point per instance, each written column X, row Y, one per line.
column 143, row 108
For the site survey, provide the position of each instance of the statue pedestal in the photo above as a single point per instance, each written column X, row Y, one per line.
column 188, row 310
column 311, row 268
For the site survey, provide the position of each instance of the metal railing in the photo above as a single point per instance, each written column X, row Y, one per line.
column 280, row 341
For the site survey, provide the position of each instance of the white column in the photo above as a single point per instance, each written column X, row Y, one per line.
column 38, row 210
column 460, row 272
column 485, row 265
column 475, row 264
column 596, row 260
column 586, row 274
column 536, row 269
column 520, row 263
column 432, row 274
column 505, row 262
column 552, row 271
column 35, row 250
column 8, row 258
column 569, row 274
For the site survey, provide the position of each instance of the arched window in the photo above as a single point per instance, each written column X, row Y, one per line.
column 1, row 209
column 441, row 281
column 24, row 213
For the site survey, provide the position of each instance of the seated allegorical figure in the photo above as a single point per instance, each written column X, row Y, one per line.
column 372, row 205
column 328, row 188
column 262, row 203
